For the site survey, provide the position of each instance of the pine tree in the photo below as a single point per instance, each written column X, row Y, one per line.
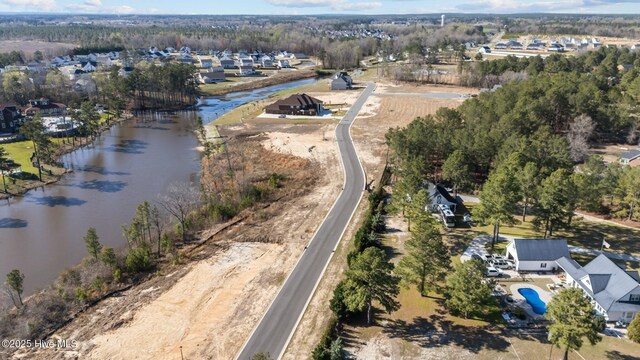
column 92, row 242
column 427, row 260
column 572, row 319
column 370, row 278
column 466, row 292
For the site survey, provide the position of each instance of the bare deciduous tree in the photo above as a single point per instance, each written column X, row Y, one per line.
column 579, row 133
column 180, row 201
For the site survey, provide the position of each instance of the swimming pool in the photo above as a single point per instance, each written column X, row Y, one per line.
column 532, row 297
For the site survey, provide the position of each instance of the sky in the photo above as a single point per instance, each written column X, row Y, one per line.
column 304, row 7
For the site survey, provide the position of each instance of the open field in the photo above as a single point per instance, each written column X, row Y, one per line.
column 379, row 114
column 30, row 46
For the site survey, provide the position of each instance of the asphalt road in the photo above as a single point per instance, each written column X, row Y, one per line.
column 279, row 322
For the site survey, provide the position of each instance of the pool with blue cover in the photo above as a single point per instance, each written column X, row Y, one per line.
column 532, row 297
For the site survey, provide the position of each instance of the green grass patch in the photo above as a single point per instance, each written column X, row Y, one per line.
column 584, row 233
column 21, row 152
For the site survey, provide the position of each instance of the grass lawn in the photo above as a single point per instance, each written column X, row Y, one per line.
column 582, row 233
column 20, row 152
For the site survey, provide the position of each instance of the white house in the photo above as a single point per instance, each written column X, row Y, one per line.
column 614, row 292
column 205, row 62
column 537, row 254
column 484, row 50
column 266, row 61
column 226, row 62
column 283, row 64
column 439, row 196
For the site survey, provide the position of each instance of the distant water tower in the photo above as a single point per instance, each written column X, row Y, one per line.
column 442, row 21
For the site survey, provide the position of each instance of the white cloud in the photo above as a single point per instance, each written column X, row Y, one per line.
column 339, row 5
column 307, row 3
column 519, row 6
column 95, row 3
column 33, row 5
column 360, row 6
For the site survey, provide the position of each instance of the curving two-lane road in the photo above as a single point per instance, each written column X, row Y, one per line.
column 276, row 328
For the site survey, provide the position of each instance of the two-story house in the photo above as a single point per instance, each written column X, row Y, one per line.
column 44, row 107
column 614, row 292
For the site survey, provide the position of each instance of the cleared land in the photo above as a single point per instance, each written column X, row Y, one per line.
column 210, row 306
column 30, row 46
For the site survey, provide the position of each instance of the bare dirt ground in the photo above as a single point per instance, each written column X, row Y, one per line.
column 379, row 114
column 402, row 87
column 210, row 306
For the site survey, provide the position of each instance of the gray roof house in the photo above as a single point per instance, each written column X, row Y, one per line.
column 627, row 157
column 614, row 292
column 341, row 81
column 537, row 254
column 439, row 196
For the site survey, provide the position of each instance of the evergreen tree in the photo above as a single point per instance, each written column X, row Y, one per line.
column 35, row 131
column 15, row 280
column 633, row 331
column 572, row 319
column 556, row 201
column 370, row 278
column 92, row 242
column 466, row 291
column 457, row 170
column 499, row 198
column 427, row 260
column 3, row 166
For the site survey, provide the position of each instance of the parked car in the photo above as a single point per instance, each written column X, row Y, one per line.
column 620, row 324
column 282, row 116
column 493, row 272
column 500, row 264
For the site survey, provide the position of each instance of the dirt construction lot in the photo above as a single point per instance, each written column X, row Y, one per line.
column 210, row 306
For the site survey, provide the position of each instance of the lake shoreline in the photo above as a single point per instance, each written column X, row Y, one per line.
column 57, row 173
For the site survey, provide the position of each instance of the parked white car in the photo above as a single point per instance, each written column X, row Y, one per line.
column 493, row 272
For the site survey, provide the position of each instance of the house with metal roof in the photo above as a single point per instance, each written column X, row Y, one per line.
column 614, row 292
column 537, row 254
column 629, row 156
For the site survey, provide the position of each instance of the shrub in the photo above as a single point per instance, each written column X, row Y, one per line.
column 138, row 259
column 600, row 323
column 633, row 332
column 337, row 301
column 322, row 350
column 81, row 295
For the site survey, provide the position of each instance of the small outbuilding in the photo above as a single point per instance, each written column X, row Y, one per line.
column 537, row 254
column 629, row 158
